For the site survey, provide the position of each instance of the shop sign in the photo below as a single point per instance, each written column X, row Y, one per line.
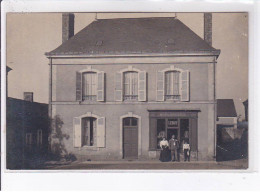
column 172, row 122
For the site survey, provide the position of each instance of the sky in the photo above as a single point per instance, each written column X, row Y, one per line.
column 30, row 35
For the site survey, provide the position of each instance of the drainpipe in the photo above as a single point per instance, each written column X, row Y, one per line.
column 215, row 110
column 50, row 103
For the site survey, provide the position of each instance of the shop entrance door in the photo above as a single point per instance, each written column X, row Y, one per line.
column 171, row 132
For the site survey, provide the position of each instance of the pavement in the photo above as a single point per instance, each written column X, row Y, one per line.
column 241, row 164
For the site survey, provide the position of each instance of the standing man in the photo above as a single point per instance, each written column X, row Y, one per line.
column 174, row 146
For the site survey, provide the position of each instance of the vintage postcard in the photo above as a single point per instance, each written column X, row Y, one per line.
column 95, row 91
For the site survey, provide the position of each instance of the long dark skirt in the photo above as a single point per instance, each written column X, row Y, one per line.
column 165, row 155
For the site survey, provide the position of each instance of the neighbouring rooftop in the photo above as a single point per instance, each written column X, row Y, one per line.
column 226, row 108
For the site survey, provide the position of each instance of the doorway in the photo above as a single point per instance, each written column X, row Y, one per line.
column 171, row 132
column 130, row 138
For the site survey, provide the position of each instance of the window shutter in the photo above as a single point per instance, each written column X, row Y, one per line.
column 101, row 132
column 118, row 89
column 77, row 132
column 142, row 86
column 78, row 86
column 160, row 86
column 185, row 87
column 100, row 86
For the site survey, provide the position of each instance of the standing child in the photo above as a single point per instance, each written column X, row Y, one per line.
column 186, row 150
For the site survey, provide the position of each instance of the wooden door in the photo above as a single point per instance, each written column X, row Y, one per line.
column 130, row 138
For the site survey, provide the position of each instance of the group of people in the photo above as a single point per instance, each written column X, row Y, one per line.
column 170, row 150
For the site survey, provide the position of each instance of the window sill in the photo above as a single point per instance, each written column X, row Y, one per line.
column 90, row 148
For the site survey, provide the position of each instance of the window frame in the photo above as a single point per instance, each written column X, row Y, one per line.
column 39, row 137
column 172, row 86
column 99, row 91
column 161, row 74
column 83, row 89
column 133, row 97
column 30, row 139
column 94, row 119
column 141, row 85
column 100, row 135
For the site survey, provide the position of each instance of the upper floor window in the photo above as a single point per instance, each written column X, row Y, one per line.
column 90, row 85
column 130, row 85
column 173, row 84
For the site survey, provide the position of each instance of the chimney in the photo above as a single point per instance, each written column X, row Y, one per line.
column 28, row 96
column 67, row 26
column 208, row 28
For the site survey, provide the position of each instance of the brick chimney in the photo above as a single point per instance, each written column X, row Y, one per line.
column 208, row 28
column 67, row 26
column 28, row 96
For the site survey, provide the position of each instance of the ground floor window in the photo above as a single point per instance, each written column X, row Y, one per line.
column 39, row 137
column 88, row 131
column 28, row 141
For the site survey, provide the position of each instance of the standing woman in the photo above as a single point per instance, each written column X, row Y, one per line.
column 164, row 155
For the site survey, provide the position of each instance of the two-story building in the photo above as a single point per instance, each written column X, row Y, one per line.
column 120, row 85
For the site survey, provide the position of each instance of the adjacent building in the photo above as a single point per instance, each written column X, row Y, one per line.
column 26, row 132
column 120, row 85
column 226, row 120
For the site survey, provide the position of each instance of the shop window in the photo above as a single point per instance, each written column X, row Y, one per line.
column 161, row 131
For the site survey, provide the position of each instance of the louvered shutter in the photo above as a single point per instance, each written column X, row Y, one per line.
column 185, row 86
column 101, row 128
column 119, row 88
column 77, row 132
column 160, row 86
column 78, row 86
column 142, row 86
column 100, row 86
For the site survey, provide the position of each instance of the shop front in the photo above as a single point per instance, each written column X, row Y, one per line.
column 180, row 123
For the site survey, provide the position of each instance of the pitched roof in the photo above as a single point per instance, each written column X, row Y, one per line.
column 226, row 108
column 134, row 36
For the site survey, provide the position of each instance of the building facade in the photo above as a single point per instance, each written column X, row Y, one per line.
column 120, row 85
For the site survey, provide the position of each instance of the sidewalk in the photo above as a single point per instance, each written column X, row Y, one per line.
column 153, row 164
